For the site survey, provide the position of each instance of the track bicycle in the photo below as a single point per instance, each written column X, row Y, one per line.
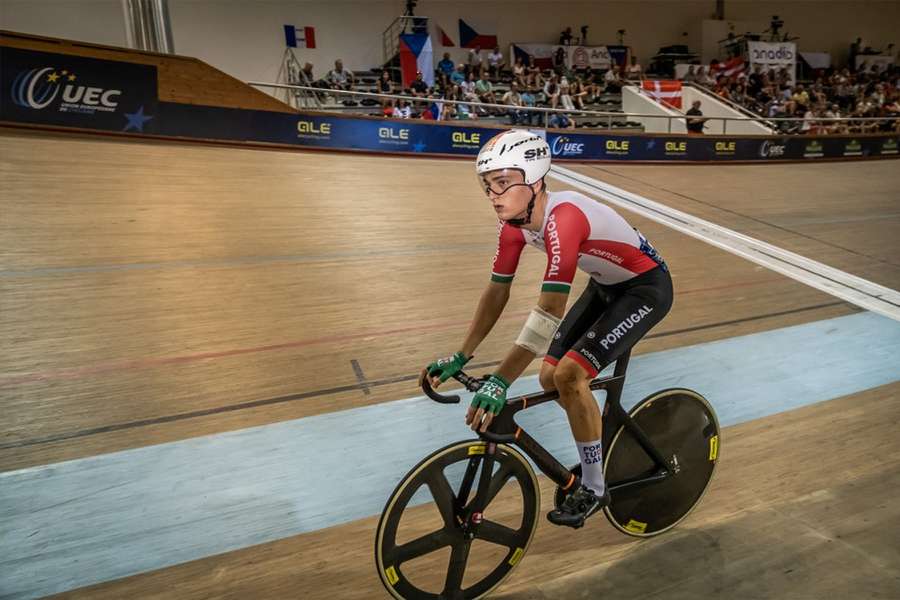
column 659, row 458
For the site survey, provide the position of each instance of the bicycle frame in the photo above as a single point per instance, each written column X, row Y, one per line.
column 505, row 430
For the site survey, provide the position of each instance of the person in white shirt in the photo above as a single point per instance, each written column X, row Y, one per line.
column 634, row 70
column 495, row 62
column 474, row 63
column 402, row 110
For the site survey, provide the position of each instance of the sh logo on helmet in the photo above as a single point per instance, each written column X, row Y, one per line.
column 38, row 88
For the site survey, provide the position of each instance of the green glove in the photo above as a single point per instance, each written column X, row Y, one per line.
column 445, row 368
column 492, row 395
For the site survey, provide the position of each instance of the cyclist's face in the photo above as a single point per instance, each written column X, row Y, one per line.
column 507, row 191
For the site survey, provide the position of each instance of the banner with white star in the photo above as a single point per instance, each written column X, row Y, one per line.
column 61, row 89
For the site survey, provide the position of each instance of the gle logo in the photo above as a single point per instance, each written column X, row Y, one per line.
column 461, row 137
column 310, row 127
column 389, row 133
column 38, row 88
column 563, row 146
column 617, row 147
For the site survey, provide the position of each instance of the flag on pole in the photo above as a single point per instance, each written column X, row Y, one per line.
column 305, row 36
column 416, row 55
column 665, row 91
column 446, row 42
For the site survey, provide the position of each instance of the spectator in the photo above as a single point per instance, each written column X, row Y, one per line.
column 386, row 86
column 419, row 88
column 519, row 73
column 528, row 101
column 402, row 110
column 565, row 97
column 612, row 80
column 560, row 121
column 514, row 99
column 691, row 75
column 565, row 37
column 495, row 62
column 634, row 72
column 579, row 93
column 459, row 75
column 305, row 77
column 755, row 81
column 446, row 65
column 340, row 78
column 484, row 89
column 695, row 124
column 534, row 77
column 474, row 62
column 551, row 91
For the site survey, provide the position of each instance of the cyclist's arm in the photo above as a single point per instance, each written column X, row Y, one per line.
column 510, row 242
column 490, row 307
column 518, row 358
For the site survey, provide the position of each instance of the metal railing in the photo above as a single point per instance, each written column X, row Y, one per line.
column 545, row 113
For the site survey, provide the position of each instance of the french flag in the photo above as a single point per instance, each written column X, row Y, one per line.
column 433, row 112
column 302, row 35
column 416, row 55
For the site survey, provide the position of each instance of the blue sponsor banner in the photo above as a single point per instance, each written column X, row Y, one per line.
column 74, row 91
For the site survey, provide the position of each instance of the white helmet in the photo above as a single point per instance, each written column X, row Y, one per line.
column 515, row 149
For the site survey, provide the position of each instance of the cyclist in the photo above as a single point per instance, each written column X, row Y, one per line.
column 629, row 291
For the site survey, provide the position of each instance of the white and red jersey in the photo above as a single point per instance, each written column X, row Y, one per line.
column 577, row 232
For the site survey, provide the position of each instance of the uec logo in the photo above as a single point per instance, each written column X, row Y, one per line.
column 31, row 89
column 393, row 134
column 562, row 146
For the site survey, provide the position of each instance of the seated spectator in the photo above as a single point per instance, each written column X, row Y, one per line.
column 612, row 80
column 634, row 71
column 419, row 88
column 402, row 110
column 474, row 62
column 560, row 121
column 459, row 75
column 386, row 86
column 519, row 73
column 755, row 81
column 339, row 78
column 534, row 79
column 565, row 97
column 514, row 99
column 691, row 75
column 484, row 89
column 528, row 100
column 565, row 37
column 551, row 91
column 579, row 93
column 446, row 65
column 495, row 62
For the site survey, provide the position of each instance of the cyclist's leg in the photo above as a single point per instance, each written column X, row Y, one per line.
column 639, row 305
column 584, row 313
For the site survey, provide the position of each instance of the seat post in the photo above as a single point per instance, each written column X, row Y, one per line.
column 622, row 363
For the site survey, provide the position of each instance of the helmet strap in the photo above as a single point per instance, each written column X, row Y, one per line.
column 518, row 222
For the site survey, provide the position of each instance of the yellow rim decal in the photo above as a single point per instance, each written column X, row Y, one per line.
column 636, row 526
column 392, row 575
column 517, row 555
column 479, row 449
column 713, row 447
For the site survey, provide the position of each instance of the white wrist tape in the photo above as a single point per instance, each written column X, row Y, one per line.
column 538, row 331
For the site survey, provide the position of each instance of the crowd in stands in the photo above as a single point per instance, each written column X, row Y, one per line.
column 836, row 93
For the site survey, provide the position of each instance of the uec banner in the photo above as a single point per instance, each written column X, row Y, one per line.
column 61, row 89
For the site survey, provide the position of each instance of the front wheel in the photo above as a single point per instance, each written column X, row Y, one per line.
column 422, row 550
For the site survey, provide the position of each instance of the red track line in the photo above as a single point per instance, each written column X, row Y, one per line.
column 147, row 363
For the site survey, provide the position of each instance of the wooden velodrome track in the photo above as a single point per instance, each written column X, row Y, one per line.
column 151, row 293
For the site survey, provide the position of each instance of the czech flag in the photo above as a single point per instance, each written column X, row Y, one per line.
column 303, row 35
column 446, row 42
column 469, row 38
column 416, row 55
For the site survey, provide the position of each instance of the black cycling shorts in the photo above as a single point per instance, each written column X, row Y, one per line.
column 607, row 320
